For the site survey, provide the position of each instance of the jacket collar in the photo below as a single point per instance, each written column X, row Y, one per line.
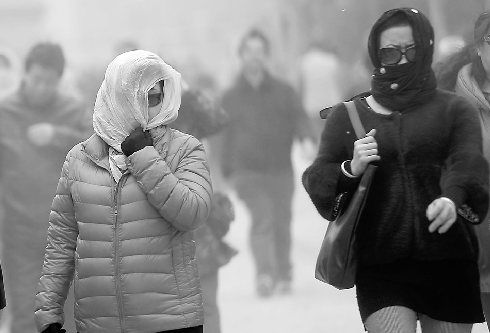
column 97, row 150
column 467, row 86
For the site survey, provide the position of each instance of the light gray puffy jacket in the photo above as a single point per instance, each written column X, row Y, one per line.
column 128, row 247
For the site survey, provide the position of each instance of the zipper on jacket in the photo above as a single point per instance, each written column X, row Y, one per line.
column 117, row 277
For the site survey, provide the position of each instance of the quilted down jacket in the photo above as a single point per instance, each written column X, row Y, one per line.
column 127, row 247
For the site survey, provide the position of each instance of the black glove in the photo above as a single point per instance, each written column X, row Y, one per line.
column 54, row 328
column 136, row 141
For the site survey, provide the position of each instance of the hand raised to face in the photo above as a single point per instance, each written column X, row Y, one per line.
column 135, row 141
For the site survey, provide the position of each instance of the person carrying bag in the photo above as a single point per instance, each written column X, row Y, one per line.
column 417, row 251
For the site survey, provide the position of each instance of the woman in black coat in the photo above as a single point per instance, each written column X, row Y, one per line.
column 418, row 257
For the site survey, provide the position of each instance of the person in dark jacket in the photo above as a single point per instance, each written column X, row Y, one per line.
column 38, row 125
column 266, row 117
column 467, row 72
column 417, row 243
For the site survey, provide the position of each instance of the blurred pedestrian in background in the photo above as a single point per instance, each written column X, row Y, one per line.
column 10, row 71
column 359, row 76
column 416, row 240
column 202, row 117
column 266, row 116
column 127, row 202
column 468, row 73
column 448, row 46
column 38, row 125
column 88, row 80
column 320, row 75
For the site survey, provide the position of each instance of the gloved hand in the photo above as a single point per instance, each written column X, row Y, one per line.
column 54, row 328
column 135, row 141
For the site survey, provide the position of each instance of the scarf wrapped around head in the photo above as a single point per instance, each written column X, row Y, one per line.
column 404, row 86
column 122, row 101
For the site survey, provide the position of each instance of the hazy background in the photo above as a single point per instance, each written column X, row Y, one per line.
column 201, row 35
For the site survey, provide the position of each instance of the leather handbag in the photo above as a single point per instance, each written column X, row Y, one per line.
column 337, row 261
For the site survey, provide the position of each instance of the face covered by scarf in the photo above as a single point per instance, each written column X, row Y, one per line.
column 404, row 86
column 122, row 101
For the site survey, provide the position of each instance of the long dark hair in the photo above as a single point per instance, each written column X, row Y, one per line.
column 447, row 70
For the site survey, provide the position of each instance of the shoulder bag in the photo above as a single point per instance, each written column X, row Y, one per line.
column 337, row 261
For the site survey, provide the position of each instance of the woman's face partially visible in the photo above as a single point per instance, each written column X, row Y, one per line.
column 155, row 99
column 484, row 51
column 399, row 37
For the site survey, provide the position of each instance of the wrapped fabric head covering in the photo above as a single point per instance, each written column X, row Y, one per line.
column 404, row 86
column 122, row 101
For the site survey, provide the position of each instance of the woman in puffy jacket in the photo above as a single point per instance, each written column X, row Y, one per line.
column 467, row 72
column 127, row 201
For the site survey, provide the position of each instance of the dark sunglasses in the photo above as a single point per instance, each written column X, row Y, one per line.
column 393, row 55
column 154, row 99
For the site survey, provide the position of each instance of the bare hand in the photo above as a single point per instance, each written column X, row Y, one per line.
column 40, row 134
column 442, row 213
column 365, row 152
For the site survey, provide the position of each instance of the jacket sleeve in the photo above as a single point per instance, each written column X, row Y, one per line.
column 182, row 197
column 59, row 260
column 465, row 174
column 324, row 180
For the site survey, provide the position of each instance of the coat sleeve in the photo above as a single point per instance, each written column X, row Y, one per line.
column 464, row 178
column 59, row 260
column 182, row 197
column 324, row 180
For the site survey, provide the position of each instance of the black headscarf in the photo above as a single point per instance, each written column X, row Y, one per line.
column 401, row 87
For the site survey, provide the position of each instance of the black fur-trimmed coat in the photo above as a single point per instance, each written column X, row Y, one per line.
column 426, row 152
